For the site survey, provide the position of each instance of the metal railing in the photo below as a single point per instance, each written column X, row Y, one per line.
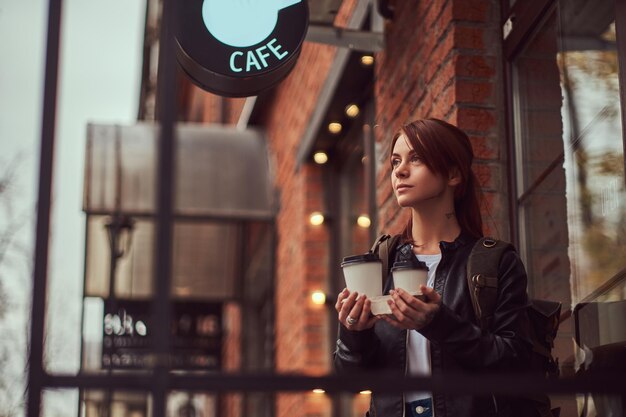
column 160, row 380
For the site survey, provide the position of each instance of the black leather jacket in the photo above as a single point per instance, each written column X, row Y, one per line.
column 456, row 341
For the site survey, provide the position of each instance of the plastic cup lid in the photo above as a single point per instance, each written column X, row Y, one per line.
column 407, row 264
column 359, row 259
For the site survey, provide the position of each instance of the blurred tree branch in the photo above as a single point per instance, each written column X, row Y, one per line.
column 14, row 259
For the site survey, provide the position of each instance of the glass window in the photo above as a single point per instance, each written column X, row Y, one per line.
column 570, row 152
column 570, row 176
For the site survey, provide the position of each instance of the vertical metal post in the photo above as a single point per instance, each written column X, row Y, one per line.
column 369, row 149
column 36, row 371
column 167, row 108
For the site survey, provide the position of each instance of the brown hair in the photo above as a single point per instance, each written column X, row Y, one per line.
column 444, row 147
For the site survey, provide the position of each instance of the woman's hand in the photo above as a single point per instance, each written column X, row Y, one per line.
column 354, row 313
column 409, row 312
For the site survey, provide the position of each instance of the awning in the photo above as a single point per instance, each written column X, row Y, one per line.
column 223, row 190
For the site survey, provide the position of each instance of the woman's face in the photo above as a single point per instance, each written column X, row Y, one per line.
column 414, row 184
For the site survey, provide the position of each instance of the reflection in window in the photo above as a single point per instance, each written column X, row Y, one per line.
column 594, row 163
column 570, row 186
column 570, row 150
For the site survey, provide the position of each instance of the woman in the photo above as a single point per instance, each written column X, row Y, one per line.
column 432, row 177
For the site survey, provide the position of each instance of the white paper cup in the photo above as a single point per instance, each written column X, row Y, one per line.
column 409, row 276
column 363, row 274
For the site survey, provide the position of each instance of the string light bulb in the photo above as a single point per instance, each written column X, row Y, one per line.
column 352, row 110
column 316, row 218
column 367, row 60
column 318, row 297
column 320, row 157
column 364, row 221
column 335, row 128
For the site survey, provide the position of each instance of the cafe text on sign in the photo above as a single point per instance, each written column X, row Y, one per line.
column 239, row 48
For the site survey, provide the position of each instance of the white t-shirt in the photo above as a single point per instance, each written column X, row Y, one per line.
column 418, row 349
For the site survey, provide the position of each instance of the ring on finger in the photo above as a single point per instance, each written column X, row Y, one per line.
column 351, row 321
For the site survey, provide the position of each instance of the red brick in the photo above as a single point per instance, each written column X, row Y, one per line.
column 470, row 10
column 472, row 119
column 476, row 92
column 484, row 147
column 475, row 66
column 488, row 175
column 469, row 37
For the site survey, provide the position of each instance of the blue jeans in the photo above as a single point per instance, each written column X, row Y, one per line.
column 419, row 408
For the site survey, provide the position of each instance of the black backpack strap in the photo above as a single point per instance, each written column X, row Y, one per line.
column 482, row 277
column 385, row 246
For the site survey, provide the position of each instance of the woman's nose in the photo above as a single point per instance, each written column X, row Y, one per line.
column 401, row 171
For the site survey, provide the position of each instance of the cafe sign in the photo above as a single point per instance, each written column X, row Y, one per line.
column 238, row 48
column 195, row 335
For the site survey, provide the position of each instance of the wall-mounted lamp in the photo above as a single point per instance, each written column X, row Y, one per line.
column 364, row 221
column 320, row 157
column 316, row 218
column 119, row 231
column 335, row 128
column 352, row 110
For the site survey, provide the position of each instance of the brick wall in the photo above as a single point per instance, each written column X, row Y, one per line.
column 231, row 403
column 302, row 334
column 302, row 248
column 442, row 60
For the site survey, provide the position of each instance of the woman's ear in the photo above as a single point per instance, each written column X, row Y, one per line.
column 454, row 177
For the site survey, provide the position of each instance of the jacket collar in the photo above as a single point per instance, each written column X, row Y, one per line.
column 463, row 239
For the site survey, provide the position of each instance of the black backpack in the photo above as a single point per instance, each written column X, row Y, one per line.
column 482, row 280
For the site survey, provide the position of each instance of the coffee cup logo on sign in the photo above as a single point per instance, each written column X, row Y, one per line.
column 239, row 48
column 224, row 19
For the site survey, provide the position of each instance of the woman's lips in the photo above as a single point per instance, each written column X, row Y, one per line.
column 401, row 188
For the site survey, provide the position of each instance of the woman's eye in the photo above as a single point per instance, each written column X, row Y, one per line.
column 415, row 159
column 395, row 162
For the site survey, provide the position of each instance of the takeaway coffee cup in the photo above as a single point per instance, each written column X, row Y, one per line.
column 409, row 275
column 363, row 274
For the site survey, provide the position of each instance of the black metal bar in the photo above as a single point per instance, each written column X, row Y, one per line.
column 608, row 382
column 36, row 372
column 166, row 105
column 509, row 134
column 369, row 148
column 233, row 216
